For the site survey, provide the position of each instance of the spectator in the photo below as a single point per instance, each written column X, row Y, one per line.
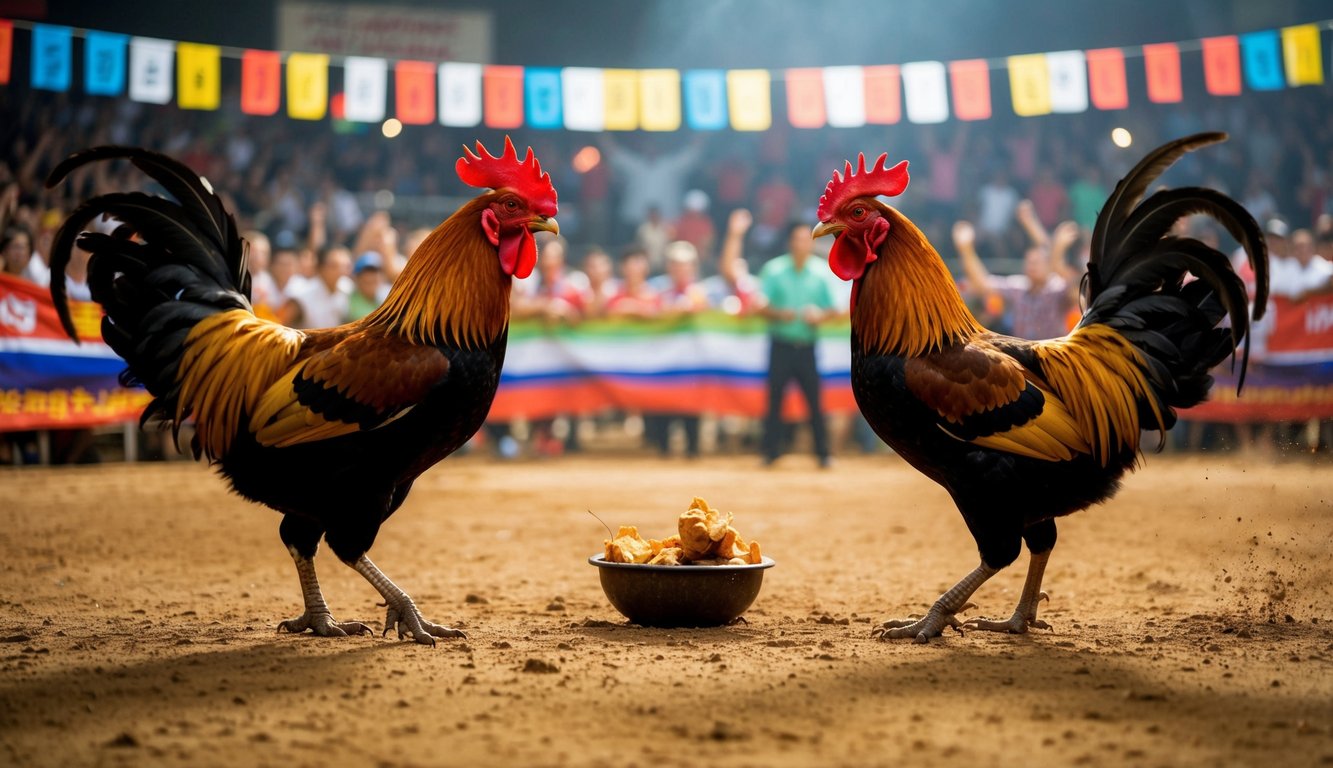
column 997, row 201
column 265, row 296
column 323, row 301
column 1302, row 273
column 652, row 236
column 695, row 226
column 680, row 295
column 369, row 286
column 798, row 298
column 602, row 283
column 733, row 289
column 1039, row 300
column 636, row 297
column 19, row 258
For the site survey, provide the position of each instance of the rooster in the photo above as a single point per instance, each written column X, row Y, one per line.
column 328, row 427
column 1022, row 432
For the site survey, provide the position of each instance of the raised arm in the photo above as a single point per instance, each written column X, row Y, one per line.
column 965, row 242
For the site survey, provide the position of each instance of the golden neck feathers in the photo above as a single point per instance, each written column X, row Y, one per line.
column 906, row 302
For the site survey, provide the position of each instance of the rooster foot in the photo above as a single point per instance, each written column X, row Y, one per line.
column 1024, row 618
column 323, row 625
column 922, row 629
column 409, row 621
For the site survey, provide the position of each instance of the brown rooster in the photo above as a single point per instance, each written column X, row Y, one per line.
column 1021, row 432
column 329, row 427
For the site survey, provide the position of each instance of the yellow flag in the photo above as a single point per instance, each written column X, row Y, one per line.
column 1030, row 84
column 749, row 100
column 1301, row 54
column 620, row 99
column 198, row 76
column 659, row 99
column 307, row 86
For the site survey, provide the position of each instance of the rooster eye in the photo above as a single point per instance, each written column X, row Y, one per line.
column 858, row 212
column 510, row 204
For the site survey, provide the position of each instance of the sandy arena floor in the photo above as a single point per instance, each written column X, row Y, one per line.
column 1192, row 625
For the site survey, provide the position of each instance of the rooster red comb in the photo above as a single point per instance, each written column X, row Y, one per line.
column 879, row 180
column 482, row 169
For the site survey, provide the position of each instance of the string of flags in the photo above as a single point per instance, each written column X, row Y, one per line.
column 459, row 94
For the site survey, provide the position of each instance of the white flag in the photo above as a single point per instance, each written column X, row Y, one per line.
column 584, row 93
column 460, row 94
column 151, row 71
column 845, row 96
column 925, row 92
column 365, row 87
column 1069, row 81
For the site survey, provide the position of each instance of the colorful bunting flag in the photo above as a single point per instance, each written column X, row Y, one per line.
column 620, row 94
column 1262, row 57
column 583, row 96
column 52, row 57
column 1300, row 51
column 926, row 94
column 414, row 91
column 198, row 76
column 150, row 69
column 749, row 99
column 883, row 94
column 706, row 99
column 845, row 96
column 503, row 91
column 1069, row 81
column 6, row 49
column 1106, row 78
column 365, row 89
column 261, row 82
column 460, row 94
column 1161, row 64
column 104, row 63
column 307, row 86
column 541, row 93
column 659, row 99
column 970, row 82
column 805, row 98
column 1221, row 65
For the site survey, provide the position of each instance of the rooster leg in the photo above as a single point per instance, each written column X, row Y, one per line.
column 941, row 614
column 1025, row 615
column 402, row 612
column 317, row 618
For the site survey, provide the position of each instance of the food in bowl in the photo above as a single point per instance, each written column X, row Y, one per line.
column 704, row 537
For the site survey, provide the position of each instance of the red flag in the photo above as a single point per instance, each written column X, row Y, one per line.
column 884, row 99
column 502, row 90
column 805, row 98
column 261, row 82
column 6, row 48
column 970, row 82
column 414, row 91
column 1221, row 65
column 1161, row 62
column 1106, row 78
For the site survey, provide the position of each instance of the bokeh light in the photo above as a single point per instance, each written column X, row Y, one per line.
column 1121, row 137
column 391, row 128
column 586, row 159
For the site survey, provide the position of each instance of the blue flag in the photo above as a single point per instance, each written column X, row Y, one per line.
column 1261, row 55
column 706, row 99
column 541, row 94
column 104, row 63
column 51, row 57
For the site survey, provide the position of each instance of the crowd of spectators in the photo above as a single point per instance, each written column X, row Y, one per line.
column 647, row 218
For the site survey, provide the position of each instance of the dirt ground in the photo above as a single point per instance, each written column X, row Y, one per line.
column 1192, row 625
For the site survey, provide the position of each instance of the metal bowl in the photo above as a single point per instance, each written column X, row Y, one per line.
column 680, row 595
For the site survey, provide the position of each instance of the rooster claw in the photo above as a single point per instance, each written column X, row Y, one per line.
column 409, row 621
column 1024, row 618
column 323, row 625
column 920, row 629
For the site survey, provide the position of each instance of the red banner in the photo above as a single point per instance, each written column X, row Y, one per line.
column 1106, row 79
column 1221, row 65
column 48, row 381
column 6, row 48
column 414, row 91
column 883, row 95
column 805, row 98
column 1302, row 331
column 1161, row 64
column 970, row 83
column 261, row 82
column 502, row 89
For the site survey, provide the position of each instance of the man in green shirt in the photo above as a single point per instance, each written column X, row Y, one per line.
column 798, row 298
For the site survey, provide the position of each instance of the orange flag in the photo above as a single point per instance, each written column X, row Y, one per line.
column 1106, row 78
column 414, row 91
column 261, row 82
column 805, row 98
column 1221, row 65
column 1161, row 63
column 502, row 89
column 884, row 98
column 6, row 48
column 970, row 82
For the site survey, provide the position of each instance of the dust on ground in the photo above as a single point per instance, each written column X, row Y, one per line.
column 1192, row 625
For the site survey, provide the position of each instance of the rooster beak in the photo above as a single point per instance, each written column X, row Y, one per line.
column 827, row 228
column 544, row 224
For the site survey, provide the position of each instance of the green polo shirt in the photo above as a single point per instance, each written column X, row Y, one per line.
column 786, row 287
